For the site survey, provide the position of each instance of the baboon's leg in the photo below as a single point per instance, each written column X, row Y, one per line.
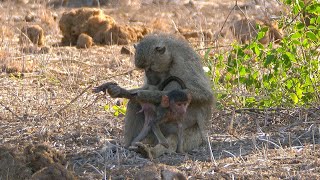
column 143, row 134
column 180, row 138
column 159, row 149
column 161, row 139
column 133, row 122
column 191, row 138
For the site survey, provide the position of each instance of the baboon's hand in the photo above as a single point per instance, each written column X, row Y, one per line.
column 104, row 87
column 115, row 91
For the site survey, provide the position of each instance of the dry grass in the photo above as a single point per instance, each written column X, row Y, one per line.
column 49, row 100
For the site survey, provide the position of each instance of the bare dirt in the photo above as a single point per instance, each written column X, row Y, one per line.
column 51, row 124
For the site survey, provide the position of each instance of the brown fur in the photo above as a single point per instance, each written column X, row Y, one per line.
column 84, row 41
column 168, row 56
column 33, row 33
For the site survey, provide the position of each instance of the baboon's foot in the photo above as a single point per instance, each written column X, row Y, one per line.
column 143, row 149
column 164, row 143
column 180, row 150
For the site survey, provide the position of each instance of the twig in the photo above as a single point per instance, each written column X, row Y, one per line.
column 72, row 101
column 224, row 23
column 7, row 108
column 294, row 18
column 258, row 110
column 215, row 47
column 120, row 74
column 58, row 113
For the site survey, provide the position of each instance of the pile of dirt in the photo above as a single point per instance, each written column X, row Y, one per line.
column 11, row 167
column 100, row 27
column 37, row 162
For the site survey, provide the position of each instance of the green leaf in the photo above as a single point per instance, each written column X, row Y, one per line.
column 242, row 71
column 291, row 57
column 300, row 26
column 296, row 42
column 106, row 107
column 296, row 35
column 270, row 58
column 294, row 98
column 289, row 84
column 299, row 92
column 312, row 36
column 262, row 33
column 256, row 50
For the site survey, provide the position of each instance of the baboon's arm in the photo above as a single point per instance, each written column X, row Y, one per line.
column 115, row 90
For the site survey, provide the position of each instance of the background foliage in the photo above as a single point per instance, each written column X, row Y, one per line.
column 274, row 75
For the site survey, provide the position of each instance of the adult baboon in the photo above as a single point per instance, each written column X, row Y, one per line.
column 162, row 56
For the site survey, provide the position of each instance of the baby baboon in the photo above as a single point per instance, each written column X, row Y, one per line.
column 172, row 109
column 84, row 41
column 33, row 33
column 167, row 56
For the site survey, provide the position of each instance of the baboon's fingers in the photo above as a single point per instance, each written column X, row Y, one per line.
column 133, row 148
column 180, row 149
column 144, row 150
column 104, row 87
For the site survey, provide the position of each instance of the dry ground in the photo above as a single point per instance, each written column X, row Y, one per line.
column 47, row 99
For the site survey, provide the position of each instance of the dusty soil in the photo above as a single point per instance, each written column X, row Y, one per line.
column 50, row 119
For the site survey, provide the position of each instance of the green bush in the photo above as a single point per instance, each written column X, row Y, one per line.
column 283, row 75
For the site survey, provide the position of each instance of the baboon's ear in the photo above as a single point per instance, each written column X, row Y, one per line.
column 165, row 101
column 160, row 49
column 135, row 46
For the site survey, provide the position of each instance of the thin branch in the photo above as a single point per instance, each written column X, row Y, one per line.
column 72, row 101
column 13, row 113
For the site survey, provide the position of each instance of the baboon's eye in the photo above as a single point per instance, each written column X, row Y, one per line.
column 161, row 50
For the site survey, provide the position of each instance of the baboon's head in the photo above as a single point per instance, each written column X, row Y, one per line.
column 152, row 53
